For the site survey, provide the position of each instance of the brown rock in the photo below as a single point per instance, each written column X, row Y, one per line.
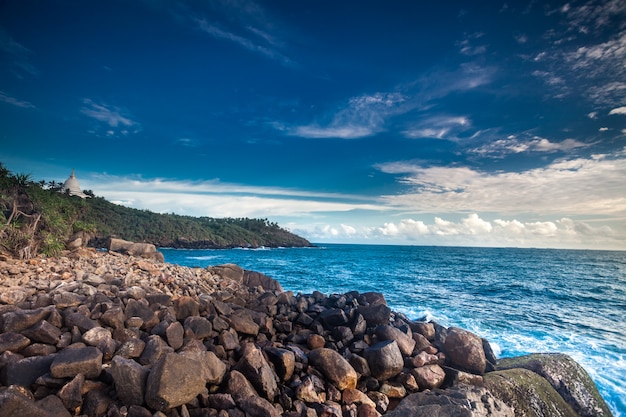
column 13, row 342
column 384, row 359
column 258, row 407
column 243, row 323
column 14, row 403
column 43, row 332
column 239, row 387
column 284, row 362
column 130, row 380
column 173, row 381
column 185, row 307
column 174, row 334
column 315, row 341
column 429, row 376
column 465, row 350
column 24, row 372
column 354, row 396
column 71, row 393
column 70, row 362
column 213, row 369
column 404, row 341
column 335, row 367
column 256, row 370
column 19, row 320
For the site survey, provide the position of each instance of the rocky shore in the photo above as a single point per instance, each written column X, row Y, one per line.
column 107, row 334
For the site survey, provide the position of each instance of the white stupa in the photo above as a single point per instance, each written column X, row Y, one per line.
column 72, row 186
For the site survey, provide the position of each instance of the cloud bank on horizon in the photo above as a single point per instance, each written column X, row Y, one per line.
column 447, row 124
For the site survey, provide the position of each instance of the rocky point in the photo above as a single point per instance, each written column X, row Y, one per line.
column 106, row 334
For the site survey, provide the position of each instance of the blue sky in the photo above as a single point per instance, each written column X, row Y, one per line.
column 399, row 122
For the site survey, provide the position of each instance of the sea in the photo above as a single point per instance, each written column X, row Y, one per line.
column 521, row 300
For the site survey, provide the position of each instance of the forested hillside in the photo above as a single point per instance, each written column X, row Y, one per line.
column 37, row 217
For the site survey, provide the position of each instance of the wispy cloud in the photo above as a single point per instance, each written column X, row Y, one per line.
column 218, row 199
column 439, row 127
column 258, row 41
column 363, row 116
column 469, row 47
column 565, row 187
column 18, row 55
column 515, row 145
column 5, row 98
column 116, row 121
column 582, row 65
column 369, row 114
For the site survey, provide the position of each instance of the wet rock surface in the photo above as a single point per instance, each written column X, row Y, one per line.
column 109, row 334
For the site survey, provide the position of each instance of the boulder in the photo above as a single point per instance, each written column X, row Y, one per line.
column 14, row 403
column 71, row 393
column 528, row 393
column 375, row 314
column 239, row 387
column 19, row 320
column 70, row 362
column 255, row 279
column 284, row 362
column 13, row 342
column 404, row 341
column 43, row 332
column 459, row 401
column 464, row 350
column 429, row 376
column 143, row 250
column 130, row 380
column 258, row 407
column 24, row 372
column 256, row 370
column 334, row 367
column 213, row 369
column 567, row 377
column 384, row 359
column 173, row 381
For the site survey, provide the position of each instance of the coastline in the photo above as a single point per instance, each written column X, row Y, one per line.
column 247, row 323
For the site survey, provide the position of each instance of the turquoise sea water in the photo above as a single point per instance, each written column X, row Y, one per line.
column 521, row 300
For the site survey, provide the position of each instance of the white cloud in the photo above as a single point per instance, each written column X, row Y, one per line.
column 264, row 44
column 472, row 230
column 513, row 145
column 580, row 186
column 104, row 113
column 439, row 127
column 363, row 116
column 217, row 199
column 619, row 110
column 5, row 98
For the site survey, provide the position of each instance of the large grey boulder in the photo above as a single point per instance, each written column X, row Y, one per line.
column 567, row 377
column 256, row 370
column 458, row 401
column 70, row 362
column 528, row 393
column 173, row 381
column 245, row 277
column 384, row 359
column 130, row 380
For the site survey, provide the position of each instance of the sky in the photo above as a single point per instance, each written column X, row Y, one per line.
column 383, row 122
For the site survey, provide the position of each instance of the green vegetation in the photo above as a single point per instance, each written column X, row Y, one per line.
column 35, row 217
